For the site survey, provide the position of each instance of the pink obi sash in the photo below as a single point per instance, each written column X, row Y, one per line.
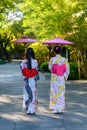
column 59, row 69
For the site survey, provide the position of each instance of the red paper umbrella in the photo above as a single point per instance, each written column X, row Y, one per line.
column 24, row 39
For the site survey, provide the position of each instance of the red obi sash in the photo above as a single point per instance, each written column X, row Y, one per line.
column 59, row 69
column 29, row 73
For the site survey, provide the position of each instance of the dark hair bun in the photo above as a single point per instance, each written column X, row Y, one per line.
column 57, row 49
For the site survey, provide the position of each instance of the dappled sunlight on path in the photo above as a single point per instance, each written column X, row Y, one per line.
column 13, row 117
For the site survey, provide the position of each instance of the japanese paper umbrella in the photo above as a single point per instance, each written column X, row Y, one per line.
column 58, row 41
column 24, row 39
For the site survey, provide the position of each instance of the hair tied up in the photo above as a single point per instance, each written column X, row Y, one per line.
column 57, row 48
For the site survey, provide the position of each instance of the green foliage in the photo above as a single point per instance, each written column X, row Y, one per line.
column 3, row 62
column 17, row 51
column 73, row 71
column 44, row 20
column 6, row 6
column 41, row 52
column 44, row 67
column 83, row 69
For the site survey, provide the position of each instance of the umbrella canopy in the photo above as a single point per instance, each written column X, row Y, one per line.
column 24, row 39
column 58, row 41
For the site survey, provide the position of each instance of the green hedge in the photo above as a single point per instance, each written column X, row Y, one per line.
column 44, row 67
column 73, row 71
column 3, row 62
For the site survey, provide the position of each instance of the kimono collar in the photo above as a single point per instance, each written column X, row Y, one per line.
column 58, row 56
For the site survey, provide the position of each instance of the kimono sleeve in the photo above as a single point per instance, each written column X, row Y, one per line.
column 50, row 64
column 35, row 65
column 66, row 74
column 22, row 65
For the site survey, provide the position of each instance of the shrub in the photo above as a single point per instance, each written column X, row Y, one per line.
column 3, row 62
column 44, row 67
column 73, row 71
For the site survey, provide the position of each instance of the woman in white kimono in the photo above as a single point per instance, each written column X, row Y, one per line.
column 29, row 70
column 59, row 67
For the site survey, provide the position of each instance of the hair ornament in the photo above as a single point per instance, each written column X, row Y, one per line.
column 57, row 48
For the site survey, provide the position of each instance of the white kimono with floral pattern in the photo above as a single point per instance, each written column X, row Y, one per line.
column 29, row 88
column 57, row 88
